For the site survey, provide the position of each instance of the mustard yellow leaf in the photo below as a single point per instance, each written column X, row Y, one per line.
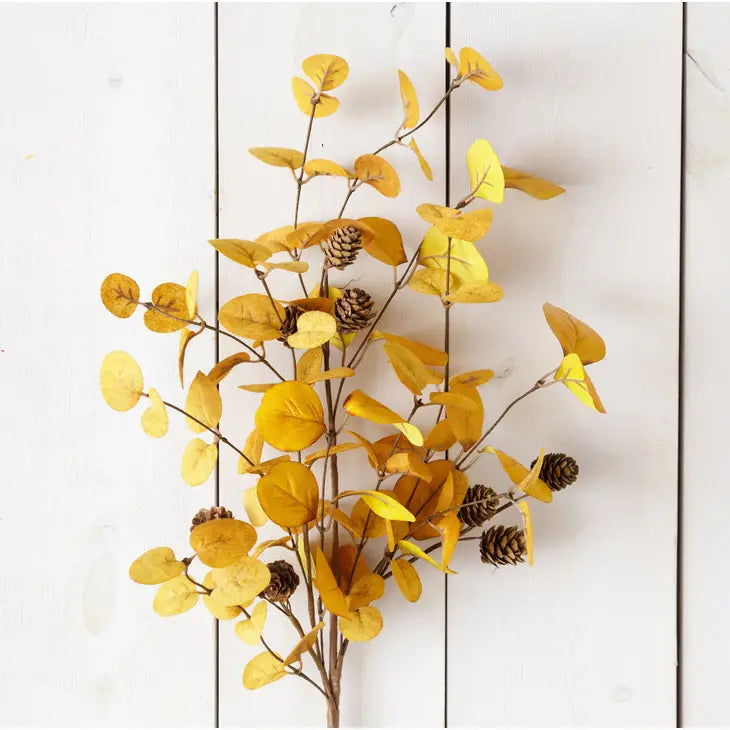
column 257, row 387
column 252, row 316
column 574, row 335
column 154, row 419
column 411, row 432
column 255, row 513
column 302, row 235
column 446, row 495
column 185, row 336
column 218, row 609
column 309, row 364
column 473, row 377
column 275, row 240
column 484, row 292
column 304, row 94
column 382, row 504
column 155, row 566
column 425, row 167
column 290, row 416
column 467, row 264
column 440, row 438
column 525, row 509
column 295, row 267
column 239, row 584
column 409, row 99
column 365, row 590
column 175, row 596
column 485, row 172
column 220, row 543
column 407, row 580
column 289, row 494
column 191, row 294
column 120, row 294
column 284, row 542
column 333, row 598
column 313, row 330
column 412, row 549
column 304, row 644
column 368, row 446
column 407, row 463
column 469, row 226
column 431, row 282
column 387, row 243
column 198, row 461
column 457, row 400
column 263, row 669
column 278, row 156
column 336, row 449
column 409, row 369
column 325, row 167
column 449, row 527
column 246, row 253
column 360, row 404
column 254, row 446
column 364, row 625
column 378, row 173
column 573, row 377
column 222, row 368
column 451, row 58
column 334, row 374
column 251, row 629
column 594, row 394
column 466, row 424
column 367, row 234
column 203, row 403
column 171, row 299
column 326, row 70
column 519, row 475
column 425, row 353
column 475, row 69
column 535, row 187
column 390, row 534
column 314, row 304
column 121, row 381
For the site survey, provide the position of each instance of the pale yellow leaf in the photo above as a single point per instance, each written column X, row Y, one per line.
column 381, row 503
column 304, row 644
column 263, row 669
column 251, row 629
column 325, row 167
column 483, row 292
column 213, row 604
column 255, row 513
column 246, row 253
column 238, row 584
column 154, row 419
column 336, row 449
column 412, row 549
column 177, row 595
column 451, row 57
column 485, row 172
column 155, row 566
column 203, row 403
column 252, row 316
column 309, row 364
column 431, row 282
column 198, row 461
column 364, row 625
column 121, row 381
column 191, row 294
column 572, row 375
column 519, row 473
column 473, row 377
column 458, row 400
column 334, row 374
column 422, row 161
column 313, row 330
column 467, row 264
column 278, row 156
column 409, row 369
column 425, row 353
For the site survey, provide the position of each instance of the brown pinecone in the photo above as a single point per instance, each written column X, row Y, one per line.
column 475, row 515
column 502, row 545
column 289, row 325
column 283, row 583
column 558, row 471
column 341, row 247
column 353, row 310
column 214, row 513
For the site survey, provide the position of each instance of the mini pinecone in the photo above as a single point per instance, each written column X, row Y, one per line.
column 284, row 582
column 558, row 471
column 214, row 513
column 502, row 545
column 289, row 325
column 353, row 310
column 342, row 246
column 475, row 515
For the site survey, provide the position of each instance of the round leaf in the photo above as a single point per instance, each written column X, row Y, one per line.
column 303, row 95
column 574, row 336
column 407, row 579
column 278, row 156
column 154, row 419
column 218, row 609
column 220, row 543
column 477, row 70
column 240, row 583
column 203, row 403
column 175, row 596
column 198, row 461
column 364, row 625
column 120, row 295
column 313, row 330
column 121, row 381
column 379, row 173
column 246, row 253
column 387, row 244
column 172, row 300
column 289, row 494
column 485, row 172
column 326, row 70
column 155, row 566
column 325, row 167
column 263, row 669
column 250, row 630
column 252, row 316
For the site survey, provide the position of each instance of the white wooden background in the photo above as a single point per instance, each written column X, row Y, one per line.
column 108, row 125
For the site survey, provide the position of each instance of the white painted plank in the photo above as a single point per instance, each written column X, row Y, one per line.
column 108, row 165
column 587, row 636
column 261, row 48
column 706, row 547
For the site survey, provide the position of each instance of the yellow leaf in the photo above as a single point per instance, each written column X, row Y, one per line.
column 246, row 253
column 155, row 566
column 409, row 368
column 278, row 156
column 313, row 330
column 426, row 354
column 171, row 299
column 325, row 167
column 364, row 625
column 252, row 316
column 473, row 377
column 290, row 416
column 289, row 494
column 254, row 511
column 412, row 549
column 440, row 438
column 574, row 335
column 467, row 263
column 266, row 544
column 449, row 526
column 342, row 339
column 365, row 590
column 336, row 449
column 382, row 504
column 535, row 187
column 525, row 508
column 198, row 461
column 333, row 598
column 304, row 644
column 485, row 171
column 407, row 580
column 121, row 381
column 360, row 404
column 309, row 364
column 594, row 394
column 409, row 99
column 407, row 463
column 302, row 235
column 411, row 432
column 220, row 543
column 334, row 374
column 257, row 387
column 254, row 446
column 185, row 336
column 446, row 494
column 191, row 294
column 466, row 424
column 251, row 629
column 221, row 369
column 314, row 304
column 275, row 240
column 431, row 282
column 425, row 167
column 175, row 596
column 304, row 94
column 203, row 403
column 390, row 534
column 519, row 475
column 368, row 446
column 351, row 565
column 573, row 377
column 154, row 419
column 483, row 292
column 458, row 400
column 120, row 294
column 326, row 70
column 218, row 609
column 367, row 234
column 263, row 669
column 378, row 173
column 470, row 226
column 296, row 267
column 475, row 69
column 387, row 243
column 451, row 58
column 239, row 584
